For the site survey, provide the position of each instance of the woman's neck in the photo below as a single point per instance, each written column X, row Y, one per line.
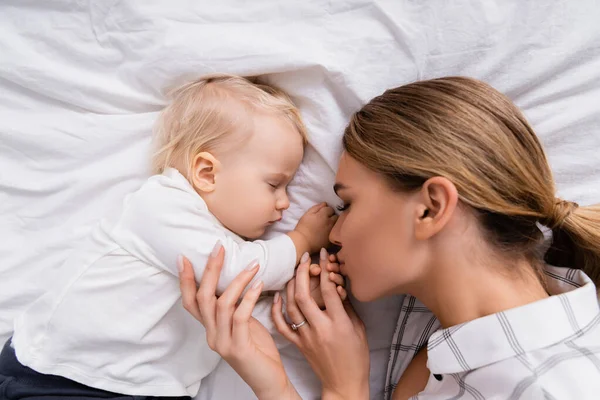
column 460, row 291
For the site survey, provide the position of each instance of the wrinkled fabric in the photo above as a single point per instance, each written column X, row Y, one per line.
column 81, row 83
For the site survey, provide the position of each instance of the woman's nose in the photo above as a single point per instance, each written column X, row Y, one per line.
column 334, row 235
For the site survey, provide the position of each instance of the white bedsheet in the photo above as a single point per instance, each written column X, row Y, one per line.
column 81, row 84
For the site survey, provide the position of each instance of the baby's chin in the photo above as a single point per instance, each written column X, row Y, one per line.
column 254, row 234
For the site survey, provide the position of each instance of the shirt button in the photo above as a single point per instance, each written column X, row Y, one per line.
column 438, row 377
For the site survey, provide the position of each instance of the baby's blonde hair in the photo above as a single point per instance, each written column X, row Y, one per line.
column 204, row 112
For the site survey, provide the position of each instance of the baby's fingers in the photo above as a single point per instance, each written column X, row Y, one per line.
column 333, row 267
column 328, row 211
column 342, row 292
column 341, row 283
column 332, row 220
column 315, row 270
column 316, row 208
column 337, row 279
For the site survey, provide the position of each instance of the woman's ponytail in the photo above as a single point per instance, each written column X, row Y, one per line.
column 575, row 238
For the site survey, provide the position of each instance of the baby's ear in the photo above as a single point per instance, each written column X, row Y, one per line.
column 204, row 170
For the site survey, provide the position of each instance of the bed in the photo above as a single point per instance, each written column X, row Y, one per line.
column 81, row 83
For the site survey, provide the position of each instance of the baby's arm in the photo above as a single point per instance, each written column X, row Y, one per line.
column 158, row 227
column 414, row 379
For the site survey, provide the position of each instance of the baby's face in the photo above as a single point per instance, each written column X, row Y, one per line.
column 250, row 186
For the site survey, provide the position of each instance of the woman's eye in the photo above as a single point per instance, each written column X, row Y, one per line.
column 343, row 208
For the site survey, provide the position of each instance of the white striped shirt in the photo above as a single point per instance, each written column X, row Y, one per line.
column 549, row 349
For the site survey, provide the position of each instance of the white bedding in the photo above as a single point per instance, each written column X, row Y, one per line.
column 81, row 84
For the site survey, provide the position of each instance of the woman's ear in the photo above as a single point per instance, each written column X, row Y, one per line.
column 205, row 168
column 438, row 198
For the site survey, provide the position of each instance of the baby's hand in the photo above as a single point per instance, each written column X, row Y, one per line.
column 334, row 276
column 315, row 226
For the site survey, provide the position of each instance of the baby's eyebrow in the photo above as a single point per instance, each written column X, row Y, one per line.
column 279, row 176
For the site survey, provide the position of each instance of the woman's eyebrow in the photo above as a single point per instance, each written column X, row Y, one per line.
column 339, row 186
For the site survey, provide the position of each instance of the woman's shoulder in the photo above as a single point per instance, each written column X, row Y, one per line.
column 548, row 348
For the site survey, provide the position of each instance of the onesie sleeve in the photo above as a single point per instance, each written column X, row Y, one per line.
column 164, row 220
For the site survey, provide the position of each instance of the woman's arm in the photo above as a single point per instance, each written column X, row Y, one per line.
column 231, row 330
column 333, row 340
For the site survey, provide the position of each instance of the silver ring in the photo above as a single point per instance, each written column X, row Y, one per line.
column 296, row 326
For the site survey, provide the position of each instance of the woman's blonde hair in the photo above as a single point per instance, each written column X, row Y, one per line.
column 468, row 132
column 203, row 113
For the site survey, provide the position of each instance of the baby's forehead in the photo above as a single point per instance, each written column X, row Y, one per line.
column 272, row 143
column 263, row 140
column 272, row 131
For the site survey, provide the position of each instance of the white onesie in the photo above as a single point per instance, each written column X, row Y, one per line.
column 117, row 322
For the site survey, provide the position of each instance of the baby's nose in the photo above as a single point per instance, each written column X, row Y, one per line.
column 283, row 203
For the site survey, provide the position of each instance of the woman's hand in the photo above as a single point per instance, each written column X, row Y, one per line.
column 231, row 330
column 334, row 275
column 333, row 341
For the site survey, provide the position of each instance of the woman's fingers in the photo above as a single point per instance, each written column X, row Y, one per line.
column 294, row 314
column 243, row 313
column 332, row 300
column 334, row 344
column 228, row 300
column 302, row 297
column 206, row 297
column 187, row 286
column 280, row 323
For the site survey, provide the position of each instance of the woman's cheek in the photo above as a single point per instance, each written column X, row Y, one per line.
column 355, row 267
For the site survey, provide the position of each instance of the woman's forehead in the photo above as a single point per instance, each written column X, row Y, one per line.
column 349, row 169
column 355, row 176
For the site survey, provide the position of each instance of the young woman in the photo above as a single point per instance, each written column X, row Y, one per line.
column 447, row 193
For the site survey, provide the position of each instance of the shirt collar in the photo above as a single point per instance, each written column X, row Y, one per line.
column 568, row 313
column 173, row 173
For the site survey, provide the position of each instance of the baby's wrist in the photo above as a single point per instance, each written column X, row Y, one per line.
column 300, row 242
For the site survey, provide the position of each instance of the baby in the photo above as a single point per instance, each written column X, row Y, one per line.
column 227, row 149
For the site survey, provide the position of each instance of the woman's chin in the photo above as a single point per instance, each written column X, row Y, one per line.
column 362, row 294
